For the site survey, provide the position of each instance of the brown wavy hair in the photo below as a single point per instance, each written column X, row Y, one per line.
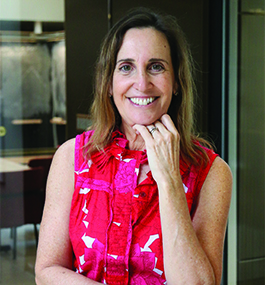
column 104, row 114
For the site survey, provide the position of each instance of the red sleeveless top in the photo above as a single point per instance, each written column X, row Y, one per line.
column 115, row 227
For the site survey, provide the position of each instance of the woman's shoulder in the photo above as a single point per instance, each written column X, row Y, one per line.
column 214, row 160
column 66, row 148
column 64, row 155
column 221, row 169
column 60, row 184
column 83, row 138
column 205, row 150
column 219, row 176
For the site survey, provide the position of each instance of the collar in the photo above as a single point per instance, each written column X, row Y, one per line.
column 118, row 149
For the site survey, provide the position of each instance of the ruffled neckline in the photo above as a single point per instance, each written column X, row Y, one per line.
column 118, row 147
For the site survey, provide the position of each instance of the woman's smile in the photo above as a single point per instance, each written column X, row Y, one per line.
column 143, row 79
column 142, row 101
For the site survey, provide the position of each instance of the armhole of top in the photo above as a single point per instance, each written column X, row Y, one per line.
column 78, row 143
column 201, row 177
column 203, row 172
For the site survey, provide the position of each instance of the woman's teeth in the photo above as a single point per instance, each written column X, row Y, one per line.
column 142, row 101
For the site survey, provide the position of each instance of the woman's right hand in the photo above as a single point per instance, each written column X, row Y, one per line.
column 54, row 255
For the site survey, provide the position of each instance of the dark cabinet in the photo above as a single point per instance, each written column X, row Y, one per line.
column 86, row 23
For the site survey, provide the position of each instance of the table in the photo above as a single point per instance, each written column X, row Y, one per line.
column 6, row 165
column 26, row 159
column 10, row 166
column 13, row 164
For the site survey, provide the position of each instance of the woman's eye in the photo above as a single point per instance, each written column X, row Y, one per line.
column 125, row 68
column 157, row 67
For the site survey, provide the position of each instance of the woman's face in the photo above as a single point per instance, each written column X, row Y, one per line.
column 143, row 79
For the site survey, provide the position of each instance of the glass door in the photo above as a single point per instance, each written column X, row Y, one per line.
column 251, row 138
column 32, row 85
column 246, row 228
column 32, row 126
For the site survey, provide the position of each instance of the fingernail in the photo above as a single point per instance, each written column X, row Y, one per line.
column 136, row 131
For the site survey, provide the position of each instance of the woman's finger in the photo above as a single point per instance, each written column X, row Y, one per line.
column 168, row 123
column 161, row 128
column 144, row 132
column 152, row 129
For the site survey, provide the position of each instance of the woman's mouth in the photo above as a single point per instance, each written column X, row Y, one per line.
column 143, row 101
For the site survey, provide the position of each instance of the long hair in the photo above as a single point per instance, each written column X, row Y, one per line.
column 104, row 114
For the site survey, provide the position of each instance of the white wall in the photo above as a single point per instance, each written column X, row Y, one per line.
column 32, row 10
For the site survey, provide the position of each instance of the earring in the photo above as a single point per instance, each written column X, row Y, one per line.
column 176, row 93
column 110, row 95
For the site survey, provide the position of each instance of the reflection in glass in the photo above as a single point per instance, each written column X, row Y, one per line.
column 32, row 90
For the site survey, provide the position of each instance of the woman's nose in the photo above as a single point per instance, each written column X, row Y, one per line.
column 142, row 81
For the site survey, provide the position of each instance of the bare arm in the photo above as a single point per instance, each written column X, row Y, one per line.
column 192, row 249
column 54, row 255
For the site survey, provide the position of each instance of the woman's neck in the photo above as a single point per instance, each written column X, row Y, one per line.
column 136, row 142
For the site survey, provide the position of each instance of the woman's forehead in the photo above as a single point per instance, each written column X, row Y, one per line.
column 144, row 41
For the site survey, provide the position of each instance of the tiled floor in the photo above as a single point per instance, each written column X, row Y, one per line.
column 20, row 270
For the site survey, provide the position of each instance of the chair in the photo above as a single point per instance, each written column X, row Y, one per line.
column 21, row 200
column 45, row 163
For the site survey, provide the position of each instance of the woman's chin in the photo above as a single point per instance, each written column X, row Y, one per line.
column 146, row 122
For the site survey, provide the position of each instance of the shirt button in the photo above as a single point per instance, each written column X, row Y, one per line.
column 142, row 194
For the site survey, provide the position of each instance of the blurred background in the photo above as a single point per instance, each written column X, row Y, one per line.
column 48, row 51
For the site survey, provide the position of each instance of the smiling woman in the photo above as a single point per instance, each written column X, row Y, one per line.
column 143, row 79
column 178, row 58
column 137, row 198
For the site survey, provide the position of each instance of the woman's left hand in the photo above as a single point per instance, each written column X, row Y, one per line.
column 185, row 238
column 163, row 148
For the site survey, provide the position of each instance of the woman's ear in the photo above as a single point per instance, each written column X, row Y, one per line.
column 175, row 89
column 110, row 93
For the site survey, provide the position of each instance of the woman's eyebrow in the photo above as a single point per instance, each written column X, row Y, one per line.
column 158, row 59
column 150, row 60
column 126, row 60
